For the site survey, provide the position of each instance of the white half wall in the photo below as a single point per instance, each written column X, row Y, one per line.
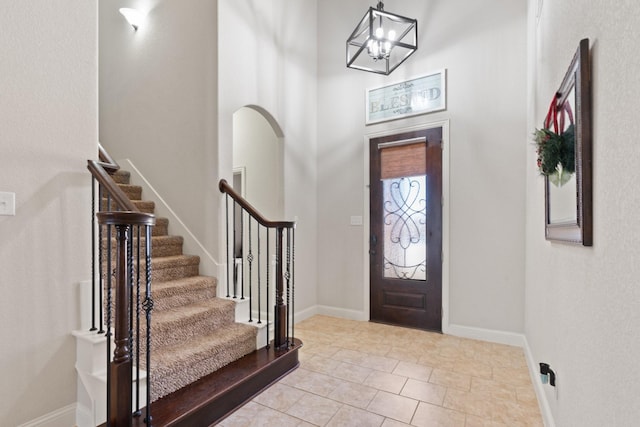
column 48, row 106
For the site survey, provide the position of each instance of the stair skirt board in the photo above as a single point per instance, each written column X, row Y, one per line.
column 216, row 396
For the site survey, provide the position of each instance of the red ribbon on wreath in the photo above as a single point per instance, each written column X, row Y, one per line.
column 556, row 145
column 565, row 109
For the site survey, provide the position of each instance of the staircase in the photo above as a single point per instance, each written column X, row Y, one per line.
column 203, row 363
column 193, row 333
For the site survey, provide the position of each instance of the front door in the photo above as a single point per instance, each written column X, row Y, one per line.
column 405, row 244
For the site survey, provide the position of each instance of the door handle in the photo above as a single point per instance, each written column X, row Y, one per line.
column 373, row 241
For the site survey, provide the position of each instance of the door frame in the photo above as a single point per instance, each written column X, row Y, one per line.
column 444, row 124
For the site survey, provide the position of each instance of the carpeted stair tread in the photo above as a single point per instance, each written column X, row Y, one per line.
column 183, row 291
column 161, row 246
column 146, row 206
column 179, row 365
column 161, row 228
column 133, row 192
column 121, row 176
column 174, row 267
column 191, row 321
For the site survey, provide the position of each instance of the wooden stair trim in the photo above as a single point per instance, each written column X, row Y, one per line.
column 216, row 396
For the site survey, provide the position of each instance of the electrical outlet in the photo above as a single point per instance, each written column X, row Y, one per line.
column 7, row 203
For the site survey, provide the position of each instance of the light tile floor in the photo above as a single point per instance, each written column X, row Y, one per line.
column 366, row 374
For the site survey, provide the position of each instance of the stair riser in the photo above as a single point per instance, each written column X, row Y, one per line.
column 142, row 205
column 164, row 335
column 161, row 228
column 122, row 177
column 173, row 273
column 175, row 301
column 159, row 248
column 133, row 192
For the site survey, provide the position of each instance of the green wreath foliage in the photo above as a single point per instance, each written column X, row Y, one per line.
column 556, row 154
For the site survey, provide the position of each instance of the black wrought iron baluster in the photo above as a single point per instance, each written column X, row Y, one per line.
column 280, row 315
column 235, row 255
column 242, row 252
column 93, row 254
column 259, row 275
column 229, row 267
column 130, row 275
column 268, row 279
column 250, row 260
column 288, row 279
column 138, row 412
column 148, row 307
column 293, row 281
column 101, row 269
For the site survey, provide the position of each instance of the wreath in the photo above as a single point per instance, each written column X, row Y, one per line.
column 556, row 150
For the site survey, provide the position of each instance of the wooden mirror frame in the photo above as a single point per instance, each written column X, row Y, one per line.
column 579, row 77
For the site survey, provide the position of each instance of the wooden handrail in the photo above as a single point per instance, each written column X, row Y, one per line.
column 99, row 173
column 226, row 188
column 106, row 161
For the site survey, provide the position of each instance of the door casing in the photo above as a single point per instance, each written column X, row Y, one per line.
column 444, row 124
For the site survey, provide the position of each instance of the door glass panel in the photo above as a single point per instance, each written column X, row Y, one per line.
column 405, row 227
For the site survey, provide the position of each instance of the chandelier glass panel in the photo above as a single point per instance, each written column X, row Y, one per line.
column 381, row 41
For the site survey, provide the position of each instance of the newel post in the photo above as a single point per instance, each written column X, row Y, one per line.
column 280, row 309
column 121, row 366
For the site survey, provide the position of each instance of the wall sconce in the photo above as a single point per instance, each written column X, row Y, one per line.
column 547, row 375
column 133, row 16
column 381, row 41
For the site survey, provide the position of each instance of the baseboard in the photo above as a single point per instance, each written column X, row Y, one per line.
column 63, row 417
column 543, row 402
column 490, row 335
column 342, row 312
column 306, row 313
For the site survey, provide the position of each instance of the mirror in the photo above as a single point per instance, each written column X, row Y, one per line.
column 568, row 193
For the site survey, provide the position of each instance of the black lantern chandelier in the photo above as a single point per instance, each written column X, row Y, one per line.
column 381, row 41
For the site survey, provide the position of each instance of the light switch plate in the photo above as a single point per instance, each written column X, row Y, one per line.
column 356, row 220
column 7, row 203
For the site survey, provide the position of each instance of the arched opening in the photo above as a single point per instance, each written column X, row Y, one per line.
column 258, row 171
column 258, row 166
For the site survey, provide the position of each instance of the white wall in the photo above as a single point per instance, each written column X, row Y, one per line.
column 483, row 47
column 158, row 104
column 258, row 150
column 48, row 105
column 268, row 59
column 582, row 304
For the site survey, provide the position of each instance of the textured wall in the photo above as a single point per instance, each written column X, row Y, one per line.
column 582, row 304
column 48, row 106
column 158, row 103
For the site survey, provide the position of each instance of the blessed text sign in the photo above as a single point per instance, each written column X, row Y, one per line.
column 409, row 98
